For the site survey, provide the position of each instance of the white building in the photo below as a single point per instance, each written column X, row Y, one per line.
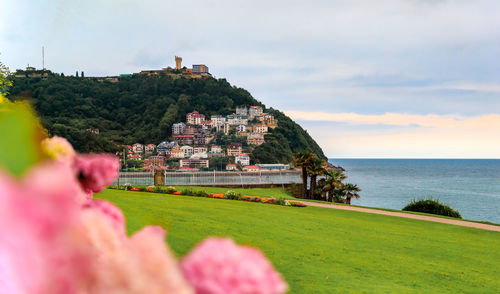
column 188, row 151
column 242, row 159
column 260, row 128
column 242, row 110
column 241, row 128
column 254, row 112
column 200, row 149
column 218, row 120
column 138, row 148
column 235, row 119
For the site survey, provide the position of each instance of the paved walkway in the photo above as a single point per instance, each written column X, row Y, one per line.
column 407, row 215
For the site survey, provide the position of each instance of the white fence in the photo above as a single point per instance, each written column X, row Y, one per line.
column 212, row 178
column 135, row 178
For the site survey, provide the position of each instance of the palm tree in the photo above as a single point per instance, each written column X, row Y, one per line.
column 332, row 183
column 303, row 159
column 316, row 168
column 351, row 190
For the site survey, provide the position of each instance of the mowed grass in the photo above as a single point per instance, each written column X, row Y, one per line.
column 321, row 250
column 263, row 192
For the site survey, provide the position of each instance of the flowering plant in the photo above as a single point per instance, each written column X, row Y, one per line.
column 55, row 238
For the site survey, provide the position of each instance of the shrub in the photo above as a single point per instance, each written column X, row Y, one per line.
column 188, row 192
column 201, row 193
column 143, row 189
column 281, row 201
column 231, row 195
column 431, row 206
column 170, row 190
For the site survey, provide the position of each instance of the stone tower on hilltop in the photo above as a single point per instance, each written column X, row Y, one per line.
column 178, row 62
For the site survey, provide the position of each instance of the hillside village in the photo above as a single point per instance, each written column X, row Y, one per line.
column 226, row 139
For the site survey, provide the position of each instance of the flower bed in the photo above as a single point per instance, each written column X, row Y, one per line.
column 297, row 204
column 189, row 192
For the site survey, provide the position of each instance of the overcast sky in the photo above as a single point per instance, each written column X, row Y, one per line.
column 395, row 78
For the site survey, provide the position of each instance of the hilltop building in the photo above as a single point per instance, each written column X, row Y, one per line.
column 178, row 128
column 197, row 71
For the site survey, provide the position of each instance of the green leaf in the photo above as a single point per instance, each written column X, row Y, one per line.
column 20, row 136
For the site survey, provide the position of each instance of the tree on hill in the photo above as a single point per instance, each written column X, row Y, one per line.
column 142, row 108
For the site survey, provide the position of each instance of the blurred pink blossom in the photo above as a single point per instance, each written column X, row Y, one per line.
column 96, row 171
column 218, row 265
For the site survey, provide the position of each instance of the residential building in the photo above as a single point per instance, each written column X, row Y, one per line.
column 260, row 128
column 216, row 150
column 149, row 148
column 200, row 68
column 178, row 128
column 234, row 149
column 134, row 156
column 194, row 163
column 241, row 128
column 155, row 161
column 266, row 117
column 200, row 139
column 165, row 146
column 184, row 139
column 175, row 153
column 231, row 167
column 206, row 125
column 242, row 110
column 251, row 168
column 274, row 166
column 226, row 128
column 218, row 120
column 198, row 149
column 242, row 159
column 254, row 112
column 192, row 129
column 93, row 131
column 138, row 148
column 241, row 134
column 255, row 139
column 188, row 150
column 236, row 119
column 194, row 118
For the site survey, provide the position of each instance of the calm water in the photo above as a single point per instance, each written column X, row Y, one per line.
column 472, row 186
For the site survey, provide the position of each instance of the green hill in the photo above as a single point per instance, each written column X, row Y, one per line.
column 142, row 109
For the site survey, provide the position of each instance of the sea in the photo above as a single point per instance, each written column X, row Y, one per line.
column 471, row 186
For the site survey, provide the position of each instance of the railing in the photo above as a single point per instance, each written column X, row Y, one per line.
column 135, row 178
column 212, row 178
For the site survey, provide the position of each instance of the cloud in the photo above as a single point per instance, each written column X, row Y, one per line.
column 396, row 135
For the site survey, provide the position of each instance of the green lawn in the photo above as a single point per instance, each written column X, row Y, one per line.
column 322, row 250
column 263, row 192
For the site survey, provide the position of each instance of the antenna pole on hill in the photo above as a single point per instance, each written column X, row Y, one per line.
column 43, row 58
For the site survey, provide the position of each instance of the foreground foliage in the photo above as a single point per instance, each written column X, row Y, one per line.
column 433, row 207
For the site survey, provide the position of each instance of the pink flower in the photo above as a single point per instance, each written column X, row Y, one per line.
column 113, row 214
column 218, row 265
column 39, row 252
column 96, row 171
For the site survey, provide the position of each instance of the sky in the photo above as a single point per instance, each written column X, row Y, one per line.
column 369, row 79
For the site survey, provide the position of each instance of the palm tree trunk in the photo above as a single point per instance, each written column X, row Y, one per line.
column 304, row 182
column 313, row 186
column 348, row 200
